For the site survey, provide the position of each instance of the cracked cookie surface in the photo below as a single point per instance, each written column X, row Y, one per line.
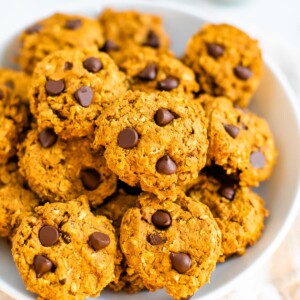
column 171, row 244
column 155, row 141
column 57, row 32
column 238, row 211
column 227, row 61
column 60, row 170
column 64, row 252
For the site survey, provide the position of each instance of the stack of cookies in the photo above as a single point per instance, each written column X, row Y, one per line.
column 122, row 166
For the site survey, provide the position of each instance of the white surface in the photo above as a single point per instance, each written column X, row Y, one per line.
column 274, row 100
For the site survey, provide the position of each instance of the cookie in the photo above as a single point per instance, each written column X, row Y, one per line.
column 151, row 70
column 9, row 173
column 64, row 252
column 128, row 280
column 57, row 32
column 60, row 170
column 155, row 141
column 15, row 203
column 70, row 88
column 172, row 245
column 127, row 29
column 239, row 141
column 227, row 61
column 238, row 211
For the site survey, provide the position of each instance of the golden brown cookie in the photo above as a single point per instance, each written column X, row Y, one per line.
column 57, row 32
column 114, row 209
column 127, row 29
column 15, row 203
column 171, row 244
column 238, row 211
column 60, row 170
column 227, row 62
column 151, row 70
column 70, row 89
column 9, row 173
column 239, row 141
column 155, row 141
column 64, row 252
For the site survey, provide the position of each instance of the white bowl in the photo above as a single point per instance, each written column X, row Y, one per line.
column 274, row 100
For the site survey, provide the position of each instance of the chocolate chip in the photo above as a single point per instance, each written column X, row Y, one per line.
column 55, row 87
column 128, row 138
column 10, row 84
column 109, row 45
column 66, row 237
column 227, row 192
column 48, row 236
column 232, row 130
column 152, row 40
column 92, row 64
column 42, row 265
column 168, row 84
column 47, row 137
column 155, row 239
column 148, row 74
column 84, row 95
column 68, row 66
column 163, row 117
column 161, row 219
column 215, row 50
column 63, row 281
column 73, row 24
column 99, row 240
column 242, row 73
column 1, row 95
column 258, row 159
column 36, row 28
column 90, row 179
column 165, row 165
column 131, row 190
column 181, row 262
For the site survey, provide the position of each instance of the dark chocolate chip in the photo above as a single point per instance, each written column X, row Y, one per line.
column 90, row 179
column 92, row 64
column 84, row 95
column 161, row 219
column 258, row 159
column 243, row 73
column 48, row 236
column 215, row 50
column 163, row 117
column 42, row 265
column 109, row 45
column 148, row 74
column 165, row 165
column 131, row 190
column 66, row 237
column 1, row 95
column 68, row 66
column 36, row 28
column 152, row 40
column 99, row 240
column 55, row 87
column 155, row 239
column 63, row 281
column 73, row 24
column 232, row 130
column 227, row 192
column 10, row 84
column 47, row 137
column 128, row 138
column 181, row 262
column 168, row 84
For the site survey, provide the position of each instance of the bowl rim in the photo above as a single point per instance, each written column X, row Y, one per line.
column 64, row 6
